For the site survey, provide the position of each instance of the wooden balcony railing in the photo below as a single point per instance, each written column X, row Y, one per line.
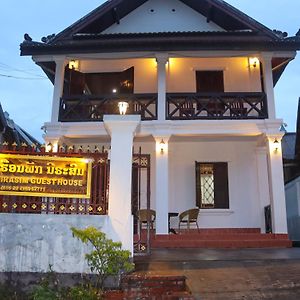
column 92, row 108
column 192, row 106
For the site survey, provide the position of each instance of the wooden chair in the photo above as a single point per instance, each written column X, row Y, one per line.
column 145, row 215
column 238, row 109
column 188, row 217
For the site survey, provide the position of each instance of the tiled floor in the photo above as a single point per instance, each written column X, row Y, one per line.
column 230, row 274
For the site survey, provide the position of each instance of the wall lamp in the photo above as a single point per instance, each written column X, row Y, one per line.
column 253, row 62
column 162, row 146
column 123, row 107
column 74, row 64
column 276, row 146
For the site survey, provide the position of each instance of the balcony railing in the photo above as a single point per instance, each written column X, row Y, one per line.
column 192, row 106
column 92, row 108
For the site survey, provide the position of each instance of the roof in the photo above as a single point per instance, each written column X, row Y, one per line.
column 11, row 132
column 86, row 35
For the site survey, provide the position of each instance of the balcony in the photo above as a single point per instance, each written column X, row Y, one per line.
column 179, row 106
column 218, row 106
column 87, row 108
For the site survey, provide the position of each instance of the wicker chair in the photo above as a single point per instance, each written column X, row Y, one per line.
column 188, row 217
column 144, row 215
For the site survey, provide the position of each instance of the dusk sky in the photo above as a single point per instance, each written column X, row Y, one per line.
column 26, row 93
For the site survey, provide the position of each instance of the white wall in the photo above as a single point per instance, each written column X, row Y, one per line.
column 161, row 16
column 29, row 243
column 292, row 195
column 181, row 73
column 244, row 211
column 237, row 75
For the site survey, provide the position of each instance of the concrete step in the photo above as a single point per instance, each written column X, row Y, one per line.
column 222, row 243
column 217, row 237
column 138, row 286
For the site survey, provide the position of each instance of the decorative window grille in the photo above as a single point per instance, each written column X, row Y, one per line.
column 207, row 185
column 212, row 185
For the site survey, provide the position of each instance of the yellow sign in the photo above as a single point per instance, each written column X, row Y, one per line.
column 45, row 176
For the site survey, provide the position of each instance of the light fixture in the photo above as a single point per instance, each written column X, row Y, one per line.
column 253, row 62
column 74, row 64
column 49, row 147
column 123, row 107
column 162, row 146
column 114, row 91
column 276, row 146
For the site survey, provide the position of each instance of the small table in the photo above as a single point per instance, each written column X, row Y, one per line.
column 170, row 215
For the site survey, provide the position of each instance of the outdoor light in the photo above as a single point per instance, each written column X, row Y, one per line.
column 253, row 62
column 74, row 65
column 162, row 146
column 49, row 147
column 276, row 146
column 114, row 91
column 123, row 107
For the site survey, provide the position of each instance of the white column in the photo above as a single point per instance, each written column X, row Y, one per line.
column 263, row 183
column 162, row 185
column 58, row 87
column 161, row 85
column 278, row 206
column 121, row 130
column 268, row 83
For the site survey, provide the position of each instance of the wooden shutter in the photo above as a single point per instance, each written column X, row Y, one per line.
column 77, row 82
column 209, row 81
column 198, row 184
column 221, row 185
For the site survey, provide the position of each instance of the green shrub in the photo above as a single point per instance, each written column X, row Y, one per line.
column 107, row 258
column 84, row 292
column 48, row 288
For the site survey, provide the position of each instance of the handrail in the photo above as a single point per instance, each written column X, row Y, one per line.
column 193, row 106
column 80, row 108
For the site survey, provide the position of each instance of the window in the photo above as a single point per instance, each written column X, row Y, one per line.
column 212, row 185
column 77, row 83
column 209, row 81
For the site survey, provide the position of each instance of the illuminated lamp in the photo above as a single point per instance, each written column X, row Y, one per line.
column 276, row 146
column 253, row 62
column 162, row 146
column 74, row 64
column 123, row 107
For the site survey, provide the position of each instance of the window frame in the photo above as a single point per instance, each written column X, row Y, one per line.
column 221, row 179
column 197, row 80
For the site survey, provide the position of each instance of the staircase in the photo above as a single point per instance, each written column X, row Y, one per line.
column 152, row 287
column 221, row 238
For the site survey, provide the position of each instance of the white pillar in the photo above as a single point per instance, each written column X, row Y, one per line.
column 58, row 87
column 162, row 185
column 121, row 130
column 279, row 218
column 268, row 83
column 161, row 85
column 263, row 183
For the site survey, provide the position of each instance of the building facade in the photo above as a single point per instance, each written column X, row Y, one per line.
column 197, row 78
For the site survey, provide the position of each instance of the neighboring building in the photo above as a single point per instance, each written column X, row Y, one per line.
column 291, row 163
column 12, row 133
column 198, row 78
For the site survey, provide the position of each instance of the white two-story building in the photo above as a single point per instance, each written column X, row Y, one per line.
column 197, row 78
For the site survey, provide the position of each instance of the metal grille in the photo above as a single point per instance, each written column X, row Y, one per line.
column 207, row 185
column 141, row 199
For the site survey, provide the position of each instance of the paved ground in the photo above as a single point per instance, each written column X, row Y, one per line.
column 231, row 274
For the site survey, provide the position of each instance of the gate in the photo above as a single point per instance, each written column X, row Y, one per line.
column 140, row 199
